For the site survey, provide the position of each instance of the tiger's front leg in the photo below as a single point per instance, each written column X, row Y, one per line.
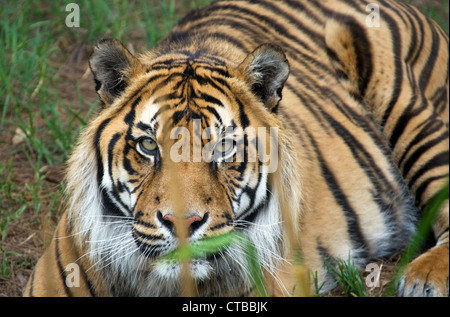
column 427, row 275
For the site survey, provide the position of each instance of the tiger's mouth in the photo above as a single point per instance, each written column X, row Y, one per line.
column 166, row 262
column 153, row 246
column 161, row 237
column 209, row 244
column 154, row 251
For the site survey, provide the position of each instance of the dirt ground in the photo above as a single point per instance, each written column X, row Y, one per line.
column 30, row 234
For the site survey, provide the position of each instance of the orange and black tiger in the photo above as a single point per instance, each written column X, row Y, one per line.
column 317, row 124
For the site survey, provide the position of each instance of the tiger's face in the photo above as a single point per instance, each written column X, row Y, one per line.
column 178, row 154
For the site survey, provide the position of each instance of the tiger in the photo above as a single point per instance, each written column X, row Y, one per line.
column 350, row 99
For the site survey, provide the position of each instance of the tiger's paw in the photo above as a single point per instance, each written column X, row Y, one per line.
column 427, row 275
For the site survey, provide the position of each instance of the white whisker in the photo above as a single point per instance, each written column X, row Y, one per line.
column 111, row 255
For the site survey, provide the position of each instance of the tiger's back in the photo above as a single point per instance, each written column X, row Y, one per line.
column 366, row 107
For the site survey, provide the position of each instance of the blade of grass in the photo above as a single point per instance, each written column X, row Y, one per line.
column 256, row 273
column 203, row 248
column 212, row 245
column 348, row 276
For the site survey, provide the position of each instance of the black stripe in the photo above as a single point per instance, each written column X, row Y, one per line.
column 139, row 91
column 408, row 112
column 129, row 119
column 149, row 237
column 145, row 224
column 108, row 204
column 441, row 234
column 251, row 211
column 325, row 255
column 262, row 206
column 210, row 82
column 242, row 115
column 402, row 122
column 431, row 60
column 427, row 128
column 131, row 115
column 206, row 60
column 423, row 186
column 394, row 6
column 160, row 111
column 61, row 269
column 362, row 50
column 356, row 237
column 327, row 259
column 210, row 99
column 175, row 76
column 147, row 250
column 228, row 38
column 440, row 97
column 440, row 159
column 108, row 207
column 413, row 48
column 173, row 96
column 214, row 112
column 243, row 13
column 303, row 27
column 301, row 6
column 97, row 150
column 262, row 33
column 90, row 286
column 111, row 145
column 221, row 225
column 363, row 56
column 419, row 151
column 398, row 70
column 349, row 113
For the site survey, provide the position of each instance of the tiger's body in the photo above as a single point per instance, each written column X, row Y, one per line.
column 362, row 116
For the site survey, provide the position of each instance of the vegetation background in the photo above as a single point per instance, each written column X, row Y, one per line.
column 47, row 95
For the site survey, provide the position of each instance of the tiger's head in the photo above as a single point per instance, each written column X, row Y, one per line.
column 188, row 145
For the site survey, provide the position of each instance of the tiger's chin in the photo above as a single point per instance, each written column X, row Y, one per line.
column 200, row 270
column 165, row 278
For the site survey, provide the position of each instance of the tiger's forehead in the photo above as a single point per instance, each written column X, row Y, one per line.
column 157, row 118
column 197, row 58
column 186, row 86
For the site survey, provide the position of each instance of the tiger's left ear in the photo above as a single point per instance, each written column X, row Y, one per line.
column 266, row 70
column 113, row 67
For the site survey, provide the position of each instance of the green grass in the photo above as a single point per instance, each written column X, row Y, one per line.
column 437, row 12
column 13, row 204
column 348, row 276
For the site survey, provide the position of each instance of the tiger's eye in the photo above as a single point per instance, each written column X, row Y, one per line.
column 224, row 146
column 148, row 145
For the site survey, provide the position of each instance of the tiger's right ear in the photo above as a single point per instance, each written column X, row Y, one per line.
column 266, row 70
column 113, row 67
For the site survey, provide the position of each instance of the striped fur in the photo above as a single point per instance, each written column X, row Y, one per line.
column 362, row 145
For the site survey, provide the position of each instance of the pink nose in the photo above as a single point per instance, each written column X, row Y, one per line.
column 188, row 221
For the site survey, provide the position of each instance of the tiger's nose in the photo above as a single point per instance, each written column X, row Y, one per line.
column 191, row 223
